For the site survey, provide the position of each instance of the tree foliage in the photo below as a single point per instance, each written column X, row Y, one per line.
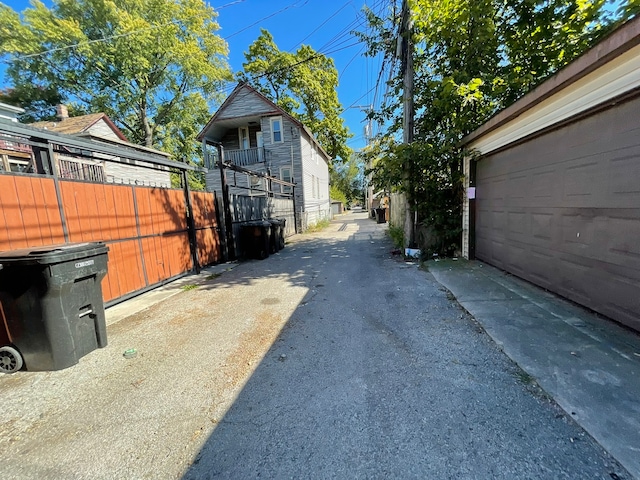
column 150, row 65
column 347, row 181
column 472, row 58
column 304, row 85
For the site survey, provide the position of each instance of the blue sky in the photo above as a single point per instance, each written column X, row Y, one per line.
column 325, row 25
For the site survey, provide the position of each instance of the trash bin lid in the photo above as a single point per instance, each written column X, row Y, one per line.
column 49, row 254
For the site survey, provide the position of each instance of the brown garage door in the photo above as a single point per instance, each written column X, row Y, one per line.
column 563, row 211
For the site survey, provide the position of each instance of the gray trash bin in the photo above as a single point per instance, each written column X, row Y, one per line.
column 52, row 308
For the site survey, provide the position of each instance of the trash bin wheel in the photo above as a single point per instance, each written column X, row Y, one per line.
column 10, row 360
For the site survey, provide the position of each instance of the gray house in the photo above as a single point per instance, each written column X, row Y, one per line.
column 100, row 128
column 554, row 195
column 259, row 136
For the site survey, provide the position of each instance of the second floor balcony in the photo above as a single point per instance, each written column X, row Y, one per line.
column 246, row 157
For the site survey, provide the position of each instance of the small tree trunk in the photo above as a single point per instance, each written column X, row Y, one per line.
column 144, row 121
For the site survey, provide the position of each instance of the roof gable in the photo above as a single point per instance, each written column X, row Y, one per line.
column 243, row 101
column 244, row 96
column 80, row 124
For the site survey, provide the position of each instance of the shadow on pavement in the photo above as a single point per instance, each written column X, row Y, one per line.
column 378, row 374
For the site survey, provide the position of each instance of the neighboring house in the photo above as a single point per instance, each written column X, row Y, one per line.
column 10, row 112
column 99, row 127
column 14, row 156
column 260, row 136
column 554, row 196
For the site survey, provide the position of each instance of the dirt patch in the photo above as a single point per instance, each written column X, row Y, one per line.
column 253, row 344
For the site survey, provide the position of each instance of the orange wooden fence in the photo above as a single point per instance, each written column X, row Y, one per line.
column 145, row 228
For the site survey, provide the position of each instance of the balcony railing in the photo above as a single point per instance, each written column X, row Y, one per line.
column 14, row 146
column 244, row 158
column 91, row 172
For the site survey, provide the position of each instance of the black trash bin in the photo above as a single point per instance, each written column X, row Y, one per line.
column 283, row 228
column 277, row 234
column 255, row 238
column 51, row 305
column 381, row 215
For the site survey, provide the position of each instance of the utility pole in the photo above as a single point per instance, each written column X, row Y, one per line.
column 368, row 134
column 405, row 43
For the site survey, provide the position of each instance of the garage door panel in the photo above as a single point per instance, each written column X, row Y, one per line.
column 563, row 211
column 542, row 226
column 517, row 223
column 584, row 180
column 624, row 178
column 624, row 249
column 543, row 185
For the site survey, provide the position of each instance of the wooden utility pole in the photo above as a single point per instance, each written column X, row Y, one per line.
column 406, row 58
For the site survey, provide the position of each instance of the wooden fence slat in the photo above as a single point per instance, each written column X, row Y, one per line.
column 40, row 204
column 29, row 211
column 133, row 266
column 180, row 209
column 126, row 212
column 4, row 223
column 106, row 284
column 113, row 272
column 101, row 212
column 30, row 216
column 149, row 262
column 110, row 213
column 9, row 204
column 13, row 217
column 69, row 204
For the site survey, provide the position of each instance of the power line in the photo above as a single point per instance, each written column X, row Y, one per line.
column 266, row 18
column 321, row 25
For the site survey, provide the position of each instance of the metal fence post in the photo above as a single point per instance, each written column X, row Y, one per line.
column 56, row 184
column 228, row 220
column 193, row 242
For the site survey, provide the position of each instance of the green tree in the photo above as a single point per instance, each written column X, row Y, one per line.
column 303, row 84
column 151, row 65
column 472, row 58
column 348, row 179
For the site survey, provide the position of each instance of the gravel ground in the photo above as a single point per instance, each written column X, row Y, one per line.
column 331, row 359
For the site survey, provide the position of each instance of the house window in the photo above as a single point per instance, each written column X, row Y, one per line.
column 285, row 175
column 276, row 130
column 313, row 186
column 243, row 137
column 318, row 187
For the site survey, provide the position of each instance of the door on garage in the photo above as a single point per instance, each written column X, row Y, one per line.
column 562, row 210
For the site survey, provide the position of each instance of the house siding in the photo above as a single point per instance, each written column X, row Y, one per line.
column 317, row 204
column 246, row 103
column 129, row 171
column 294, row 152
column 102, row 129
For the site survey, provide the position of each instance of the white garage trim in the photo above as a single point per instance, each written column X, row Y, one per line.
column 607, row 82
